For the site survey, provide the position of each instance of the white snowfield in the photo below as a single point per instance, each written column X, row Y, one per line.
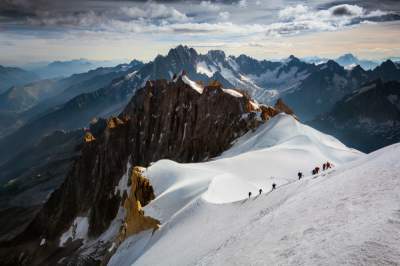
column 349, row 215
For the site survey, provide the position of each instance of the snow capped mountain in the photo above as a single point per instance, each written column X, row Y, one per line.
column 263, row 80
column 310, row 89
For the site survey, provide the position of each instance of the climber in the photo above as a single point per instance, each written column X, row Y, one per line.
column 249, row 195
column 273, row 186
column 260, row 191
column 317, row 170
column 324, row 166
column 328, row 165
column 300, row 175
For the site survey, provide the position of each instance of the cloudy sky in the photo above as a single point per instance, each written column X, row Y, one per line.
column 40, row 30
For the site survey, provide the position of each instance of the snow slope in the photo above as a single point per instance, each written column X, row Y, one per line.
column 349, row 215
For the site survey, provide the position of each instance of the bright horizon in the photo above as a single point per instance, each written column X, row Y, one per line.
column 106, row 30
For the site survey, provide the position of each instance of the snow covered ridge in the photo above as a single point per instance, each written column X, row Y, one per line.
column 348, row 215
column 234, row 93
column 197, row 87
column 192, row 84
column 273, row 153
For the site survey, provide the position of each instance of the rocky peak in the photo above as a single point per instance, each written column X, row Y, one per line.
column 183, row 52
column 334, row 66
column 357, row 69
column 388, row 65
column 292, row 58
column 244, row 58
column 135, row 63
column 387, row 71
column 217, row 55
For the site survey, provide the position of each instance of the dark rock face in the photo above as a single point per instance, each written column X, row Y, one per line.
column 163, row 120
column 180, row 129
column 387, row 71
column 367, row 119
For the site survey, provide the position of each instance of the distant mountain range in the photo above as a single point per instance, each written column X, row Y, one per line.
column 309, row 89
column 347, row 60
column 13, row 76
column 59, row 69
column 64, row 110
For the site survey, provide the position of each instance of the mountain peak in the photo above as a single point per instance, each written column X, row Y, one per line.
column 292, row 58
column 348, row 56
column 182, row 50
column 216, row 54
column 388, row 64
column 357, row 69
column 135, row 62
column 333, row 65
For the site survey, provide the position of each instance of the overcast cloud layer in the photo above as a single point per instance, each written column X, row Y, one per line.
column 151, row 27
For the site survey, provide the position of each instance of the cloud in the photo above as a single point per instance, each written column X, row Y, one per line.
column 148, row 14
column 208, row 5
column 291, row 12
column 154, row 11
column 222, row 19
column 156, row 18
column 300, row 18
column 347, row 10
column 224, row 15
column 242, row 3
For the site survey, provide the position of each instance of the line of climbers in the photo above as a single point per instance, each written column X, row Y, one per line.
column 300, row 175
column 325, row 166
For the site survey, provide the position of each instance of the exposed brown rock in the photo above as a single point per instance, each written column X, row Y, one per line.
column 88, row 137
column 141, row 193
column 113, row 122
column 267, row 112
column 214, row 84
column 280, row 106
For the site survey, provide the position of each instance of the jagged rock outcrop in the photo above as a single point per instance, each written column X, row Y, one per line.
column 141, row 193
column 165, row 119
